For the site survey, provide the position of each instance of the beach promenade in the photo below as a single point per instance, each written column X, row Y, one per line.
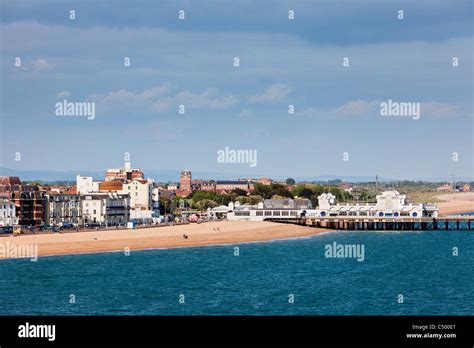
column 210, row 233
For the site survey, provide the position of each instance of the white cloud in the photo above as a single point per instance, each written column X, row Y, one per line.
column 161, row 98
column 348, row 109
column 208, row 98
column 272, row 94
column 245, row 113
column 41, row 64
column 124, row 96
column 436, row 109
column 362, row 108
column 255, row 133
column 357, row 108
column 64, row 94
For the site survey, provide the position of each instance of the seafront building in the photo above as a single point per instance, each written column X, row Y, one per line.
column 7, row 213
column 105, row 209
column 144, row 200
column 125, row 174
column 143, row 196
column 63, row 209
column 28, row 200
column 86, row 184
column 389, row 204
column 29, row 206
column 269, row 209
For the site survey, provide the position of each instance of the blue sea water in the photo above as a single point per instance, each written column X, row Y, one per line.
column 418, row 265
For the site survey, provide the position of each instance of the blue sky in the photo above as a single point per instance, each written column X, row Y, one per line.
column 282, row 62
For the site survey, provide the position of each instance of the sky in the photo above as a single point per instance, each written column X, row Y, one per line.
column 336, row 128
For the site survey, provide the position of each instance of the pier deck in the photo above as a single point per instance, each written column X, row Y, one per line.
column 387, row 224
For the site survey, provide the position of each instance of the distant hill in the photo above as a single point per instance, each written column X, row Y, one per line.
column 166, row 175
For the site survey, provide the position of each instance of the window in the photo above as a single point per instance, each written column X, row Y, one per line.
column 259, row 213
column 285, row 213
column 276, row 213
column 268, row 213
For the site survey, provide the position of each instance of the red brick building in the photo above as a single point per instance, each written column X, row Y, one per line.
column 185, row 184
column 228, row 186
column 28, row 200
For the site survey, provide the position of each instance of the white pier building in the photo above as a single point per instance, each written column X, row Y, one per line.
column 390, row 204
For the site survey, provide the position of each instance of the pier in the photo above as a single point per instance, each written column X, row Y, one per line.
column 461, row 223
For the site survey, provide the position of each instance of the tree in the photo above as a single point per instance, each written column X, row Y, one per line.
column 199, row 195
column 262, row 190
column 242, row 199
column 290, row 181
column 278, row 197
column 165, row 204
column 239, row 192
column 280, row 190
column 254, row 199
column 207, row 203
column 305, row 192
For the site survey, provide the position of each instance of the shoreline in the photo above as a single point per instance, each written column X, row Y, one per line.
column 168, row 237
column 456, row 203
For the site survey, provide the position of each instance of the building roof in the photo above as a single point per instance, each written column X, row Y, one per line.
column 221, row 209
column 287, row 203
column 10, row 180
column 110, row 186
column 54, row 193
column 72, row 190
column 231, row 182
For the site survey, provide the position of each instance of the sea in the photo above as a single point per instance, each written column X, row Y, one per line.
column 400, row 273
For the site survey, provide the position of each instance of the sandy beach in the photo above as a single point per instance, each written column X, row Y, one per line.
column 211, row 233
column 456, row 203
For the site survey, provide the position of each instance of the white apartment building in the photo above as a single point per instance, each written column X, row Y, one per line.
column 144, row 197
column 85, row 184
column 62, row 209
column 144, row 200
column 7, row 213
column 105, row 209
